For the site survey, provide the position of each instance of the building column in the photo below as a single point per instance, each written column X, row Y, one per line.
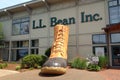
column 49, row 15
column 29, row 47
column 9, row 55
column 108, row 48
column 77, row 27
column 29, row 40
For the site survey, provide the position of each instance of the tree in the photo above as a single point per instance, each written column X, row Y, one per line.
column 1, row 41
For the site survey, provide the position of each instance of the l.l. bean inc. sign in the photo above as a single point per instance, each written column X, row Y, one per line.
column 68, row 21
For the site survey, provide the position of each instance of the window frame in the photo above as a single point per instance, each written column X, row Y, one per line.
column 111, row 38
column 99, row 38
column 34, row 43
column 105, row 49
column 19, row 22
column 20, row 44
column 118, row 12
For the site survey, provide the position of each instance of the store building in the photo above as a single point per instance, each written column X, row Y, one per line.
column 94, row 28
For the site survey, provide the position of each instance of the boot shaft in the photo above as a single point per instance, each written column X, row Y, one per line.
column 59, row 47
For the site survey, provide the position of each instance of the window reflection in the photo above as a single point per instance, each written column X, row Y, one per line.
column 99, row 38
column 114, row 11
column 20, row 26
column 115, row 38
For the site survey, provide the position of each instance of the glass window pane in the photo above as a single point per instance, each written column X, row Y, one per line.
column 16, row 29
column 34, row 51
column 22, row 53
column 17, row 21
column 102, row 39
column 113, row 3
column 34, row 43
column 114, row 14
column 99, row 38
column 24, row 28
column 95, row 39
column 25, row 43
column 21, row 26
column 25, row 19
column 114, row 20
column 14, row 44
column 110, row 3
column 115, row 38
column 119, row 1
column 114, row 10
column 6, row 44
column 119, row 10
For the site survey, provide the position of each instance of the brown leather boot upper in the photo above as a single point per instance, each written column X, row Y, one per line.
column 59, row 48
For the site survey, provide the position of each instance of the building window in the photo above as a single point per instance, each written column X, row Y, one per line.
column 115, row 38
column 114, row 11
column 17, row 54
column 100, row 50
column 34, row 51
column 34, row 46
column 19, row 49
column 6, row 44
column 20, row 44
column 99, row 39
column 20, row 26
column 34, row 43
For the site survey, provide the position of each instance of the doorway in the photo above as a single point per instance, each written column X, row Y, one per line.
column 116, row 55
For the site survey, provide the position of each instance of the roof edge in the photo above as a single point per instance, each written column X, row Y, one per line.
column 19, row 5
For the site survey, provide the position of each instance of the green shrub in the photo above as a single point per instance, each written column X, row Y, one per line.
column 33, row 60
column 1, row 67
column 78, row 63
column 18, row 68
column 38, row 67
column 103, row 61
column 47, row 52
column 31, row 68
column 4, row 65
column 93, row 67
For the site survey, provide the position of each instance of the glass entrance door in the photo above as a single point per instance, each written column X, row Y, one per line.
column 116, row 55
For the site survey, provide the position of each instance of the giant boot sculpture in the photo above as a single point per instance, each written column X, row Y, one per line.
column 57, row 62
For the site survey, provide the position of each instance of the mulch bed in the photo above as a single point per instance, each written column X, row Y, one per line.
column 12, row 66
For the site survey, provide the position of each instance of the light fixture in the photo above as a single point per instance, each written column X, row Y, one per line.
column 24, row 5
column 43, row 0
column 5, row 10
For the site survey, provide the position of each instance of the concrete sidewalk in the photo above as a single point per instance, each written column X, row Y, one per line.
column 7, row 72
column 72, row 74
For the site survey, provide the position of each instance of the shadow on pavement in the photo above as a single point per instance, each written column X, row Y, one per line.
column 49, row 75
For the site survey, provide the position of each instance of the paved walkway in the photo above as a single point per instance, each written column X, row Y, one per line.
column 72, row 74
column 111, row 74
column 6, row 72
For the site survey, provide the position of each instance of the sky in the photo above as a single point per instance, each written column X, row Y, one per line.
column 8, row 3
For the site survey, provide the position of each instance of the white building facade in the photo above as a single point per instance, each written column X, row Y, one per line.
column 94, row 28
